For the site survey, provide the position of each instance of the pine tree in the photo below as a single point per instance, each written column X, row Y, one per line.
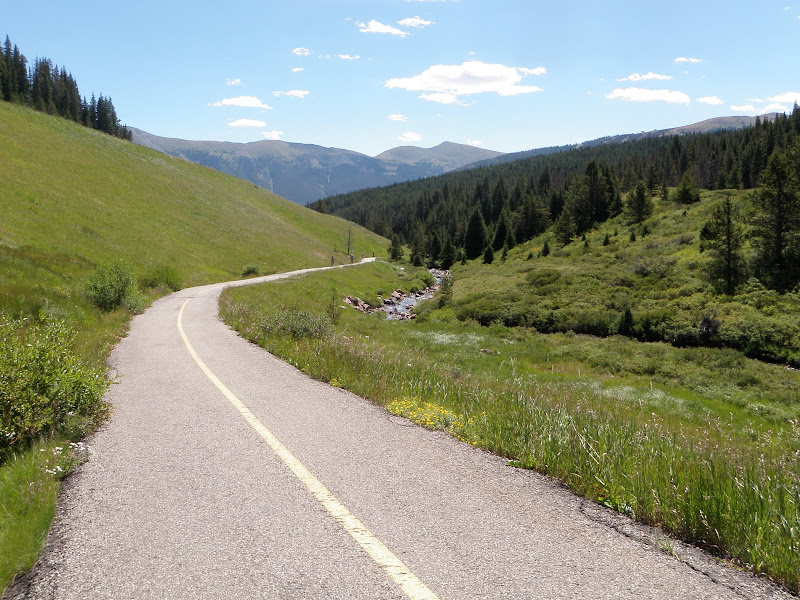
column 396, row 249
column 564, row 228
column 687, row 192
column 448, row 256
column 723, row 235
column 776, row 225
column 639, row 205
column 475, row 236
column 502, row 233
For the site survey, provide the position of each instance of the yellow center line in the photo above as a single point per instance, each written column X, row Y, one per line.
column 385, row 558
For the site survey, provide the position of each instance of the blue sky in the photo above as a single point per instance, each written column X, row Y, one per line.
column 369, row 75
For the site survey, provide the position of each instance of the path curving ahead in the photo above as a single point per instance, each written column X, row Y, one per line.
column 305, row 491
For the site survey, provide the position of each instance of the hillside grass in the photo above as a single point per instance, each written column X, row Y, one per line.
column 73, row 200
column 680, row 438
column 660, row 277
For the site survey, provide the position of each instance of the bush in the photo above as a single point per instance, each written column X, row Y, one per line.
column 43, row 385
column 108, row 285
column 249, row 270
column 543, row 277
column 162, row 275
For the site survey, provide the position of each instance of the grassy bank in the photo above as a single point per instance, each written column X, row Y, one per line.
column 685, row 444
column 75, row 202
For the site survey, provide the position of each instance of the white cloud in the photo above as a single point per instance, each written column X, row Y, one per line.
column 301, row 51
column 297, row 69
column 247, row 123
column 634, row 94
column 683, row 59
column 776, row 107
column 236, row 81
column 645, row 77
column 712, row 100
column 410, row 136
column 349, row 57
column 474, row 142
column 536, row 71
column 445, row 83
column 788, row 97
column 376, row 27
column 745, row 108
column 414, row 22
column 292, row 93
column 443, row 98
column 273, row 135
column 397, row 117
column 243, row 101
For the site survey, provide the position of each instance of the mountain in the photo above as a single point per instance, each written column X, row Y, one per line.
column 707, row 126
column 304, row 173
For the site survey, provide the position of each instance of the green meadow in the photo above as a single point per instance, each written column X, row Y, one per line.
column 703, row 442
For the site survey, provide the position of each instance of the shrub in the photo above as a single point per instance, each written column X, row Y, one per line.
column 107, row 286
column 43, row 385
column 162, row 275
column 249, row 270
column 543, row 277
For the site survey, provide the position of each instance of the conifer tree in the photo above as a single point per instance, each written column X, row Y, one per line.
column 687, row 192
column 475, row 235
column 777, row 223
column 639, row 205
column 723, row 235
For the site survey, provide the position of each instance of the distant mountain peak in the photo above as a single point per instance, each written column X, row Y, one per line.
column 304, row 173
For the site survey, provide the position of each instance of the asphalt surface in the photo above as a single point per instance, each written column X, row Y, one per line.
column 183, row 498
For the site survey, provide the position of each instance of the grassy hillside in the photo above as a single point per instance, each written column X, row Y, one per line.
column 73, row 200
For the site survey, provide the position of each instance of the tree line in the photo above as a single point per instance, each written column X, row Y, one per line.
column 479, row 212
column 47, row 88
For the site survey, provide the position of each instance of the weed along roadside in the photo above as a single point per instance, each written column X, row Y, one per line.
column 719, row 478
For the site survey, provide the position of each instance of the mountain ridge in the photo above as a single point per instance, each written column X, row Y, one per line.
column 304, row 173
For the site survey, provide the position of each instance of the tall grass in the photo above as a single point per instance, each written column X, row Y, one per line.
column 739, row 499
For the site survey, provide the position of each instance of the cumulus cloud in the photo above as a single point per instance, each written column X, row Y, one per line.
column 443, row 98
column 788, row 97
column 645, row 77
column 474, row 142
column 526, row 71
column 397, row 117
column 301, row 51
column 744, row 108
column 236, row 81
column 292, row 93
column 247, row 123
column 683, row 59
column 273, row 135
column 349, row 57
column 635, row 94
column 712, row 100
column 409, row 136
column 414, row 22
column 445, row 83
column 297, row 69
column 376, row 27
column 242, row 101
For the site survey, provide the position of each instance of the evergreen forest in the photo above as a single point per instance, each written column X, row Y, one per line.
column 483, row 211
column 48, row 88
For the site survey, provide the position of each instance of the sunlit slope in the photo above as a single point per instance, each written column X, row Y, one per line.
column 71, row 198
